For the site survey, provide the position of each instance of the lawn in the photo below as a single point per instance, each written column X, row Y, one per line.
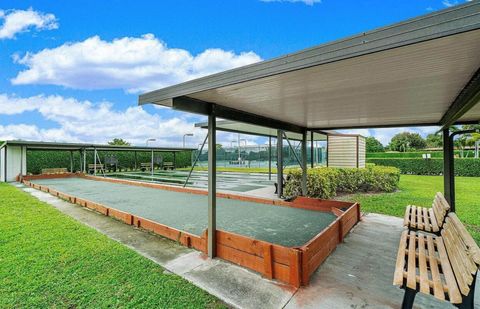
column 49, row 260
column 420, row 190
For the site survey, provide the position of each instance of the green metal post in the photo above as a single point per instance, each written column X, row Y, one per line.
column 212, row 182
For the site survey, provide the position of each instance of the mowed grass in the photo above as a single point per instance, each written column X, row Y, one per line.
column 49, row 260
column 420, row 190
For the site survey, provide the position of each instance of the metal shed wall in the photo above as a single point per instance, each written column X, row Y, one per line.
column 13, row 162
column 346, row 151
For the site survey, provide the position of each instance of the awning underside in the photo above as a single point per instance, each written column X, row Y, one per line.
column 406, row 74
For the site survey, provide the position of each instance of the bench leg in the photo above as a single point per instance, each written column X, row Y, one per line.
column 408, row 298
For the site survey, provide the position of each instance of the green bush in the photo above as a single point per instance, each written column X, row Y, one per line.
column 327, row 182
column 415, row 154
column 40, row 159
column 412, row 166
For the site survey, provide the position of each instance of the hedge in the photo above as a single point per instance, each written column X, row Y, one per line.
column 40, row 159
column 463, row 167
column 415, row 154
column 327, row 182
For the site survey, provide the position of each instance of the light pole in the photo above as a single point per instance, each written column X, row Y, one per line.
column 185, row 135
column 151, row 163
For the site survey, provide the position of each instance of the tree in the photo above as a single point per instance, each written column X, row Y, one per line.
column 373, row 145
column 434, row 140
column 407, row 141
column 119, row 142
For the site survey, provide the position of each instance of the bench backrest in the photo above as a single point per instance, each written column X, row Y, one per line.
column 440, row 208
column 167, row 163
column 462, row 251
column 91, row 166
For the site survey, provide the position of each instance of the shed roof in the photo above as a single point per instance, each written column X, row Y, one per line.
column 424, row 71
column 79, row 146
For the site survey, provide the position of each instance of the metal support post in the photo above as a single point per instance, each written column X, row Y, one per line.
column 304, row 163
column 312, row 150
column 269, row 158
column 279, row 163
column 212, row 182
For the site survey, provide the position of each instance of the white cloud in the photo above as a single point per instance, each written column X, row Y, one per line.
column 84, row 121
column 17, row 21
column 131, row 63
column 307, row 2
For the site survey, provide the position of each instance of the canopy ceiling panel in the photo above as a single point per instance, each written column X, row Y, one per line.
column 410, row 73
column 415, row 83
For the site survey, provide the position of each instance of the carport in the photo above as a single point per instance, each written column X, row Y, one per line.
column 421, row 72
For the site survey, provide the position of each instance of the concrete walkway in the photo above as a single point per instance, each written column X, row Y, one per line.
column 358, row 274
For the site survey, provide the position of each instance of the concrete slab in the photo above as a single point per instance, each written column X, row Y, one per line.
column 359, row 274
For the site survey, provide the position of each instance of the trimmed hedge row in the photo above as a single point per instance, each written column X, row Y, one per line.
column 40, row 159
column 415, row 154
column 327, row 182
column 463, row 167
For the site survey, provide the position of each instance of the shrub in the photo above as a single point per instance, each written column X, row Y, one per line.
column 326, row 182
column 413, row 166
column 40, row 159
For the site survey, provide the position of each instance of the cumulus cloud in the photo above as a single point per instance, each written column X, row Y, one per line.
column 100, row 122
column 131, row 63
column 84, row 121
column 307, row 2
column 17, row 21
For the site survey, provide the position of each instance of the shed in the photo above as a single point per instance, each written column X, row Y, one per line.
column 345, row 150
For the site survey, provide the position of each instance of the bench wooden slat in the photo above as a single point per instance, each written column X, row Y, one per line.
column 473, row 249
column 411, row 269
column 400, row 265
column 438, row 290
column 406, row 218
column 435, row 227
column 453, row 292
column 426, row 219
column 413, row 217
column 422, row 266
column 420, row 218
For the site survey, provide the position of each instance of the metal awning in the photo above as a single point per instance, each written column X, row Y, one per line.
column 79, row 146
column 251, row 129
column 424, row 71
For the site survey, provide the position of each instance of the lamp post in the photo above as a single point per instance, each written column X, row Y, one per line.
column 185, row 135
column 151, row 163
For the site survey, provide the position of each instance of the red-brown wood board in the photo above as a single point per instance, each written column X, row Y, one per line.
column 293, row 266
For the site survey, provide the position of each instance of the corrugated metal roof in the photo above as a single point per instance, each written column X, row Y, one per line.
column 80, row 146
column 405, row 74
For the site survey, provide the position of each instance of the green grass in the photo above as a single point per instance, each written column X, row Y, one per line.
column 49, row 260
column 238, row 169
column 420, row 190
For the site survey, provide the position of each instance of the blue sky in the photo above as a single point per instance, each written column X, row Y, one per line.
column 73, row 72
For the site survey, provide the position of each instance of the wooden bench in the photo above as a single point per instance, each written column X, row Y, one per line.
column 91, row 167
column 427, row 219
column 58, row 170
column 443, row 266
column 168, row 165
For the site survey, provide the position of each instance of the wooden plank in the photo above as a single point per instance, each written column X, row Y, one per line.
column 400, row 265
column 473, row 248
column 411, row 266
column 435, row 227
column 438, row 291
column 268, row 261
column 453, row 292
column 426, row 221
column 438, row 214
column 413, row 217
column 457, row 262
column 295, row 267
column 422, row 265
column 420, row 218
